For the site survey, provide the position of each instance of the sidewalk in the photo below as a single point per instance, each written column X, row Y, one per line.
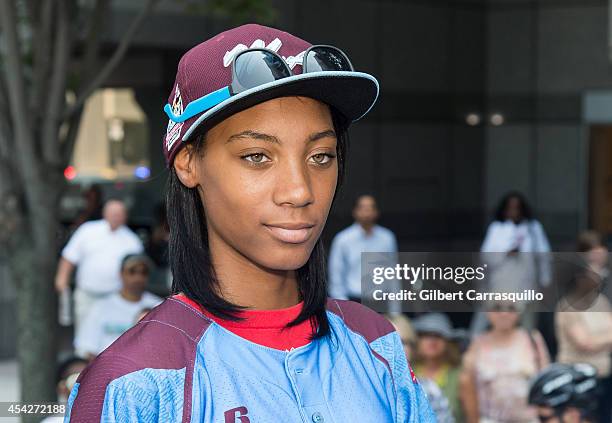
column 9, row 386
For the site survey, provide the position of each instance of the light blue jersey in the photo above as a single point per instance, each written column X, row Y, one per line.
column 177, row 365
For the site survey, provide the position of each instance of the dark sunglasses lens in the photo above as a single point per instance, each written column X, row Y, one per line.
column 326, row 59
column 257, row 67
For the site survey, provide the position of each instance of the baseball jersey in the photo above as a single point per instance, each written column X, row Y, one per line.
column 179, row 364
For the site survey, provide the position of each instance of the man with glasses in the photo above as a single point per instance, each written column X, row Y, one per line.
column 565, row 393
column 112, row 316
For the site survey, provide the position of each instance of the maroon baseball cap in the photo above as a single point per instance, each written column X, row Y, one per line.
column 207, row 69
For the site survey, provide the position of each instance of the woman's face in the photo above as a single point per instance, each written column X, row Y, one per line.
column 431, row 346
column 267, row 177
column 597, row 257
column 503, row 320
column 513, row 209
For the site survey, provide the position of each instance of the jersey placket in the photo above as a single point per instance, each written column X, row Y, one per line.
column 307, row 385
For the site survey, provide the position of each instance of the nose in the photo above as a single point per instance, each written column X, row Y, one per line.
column 294, row 187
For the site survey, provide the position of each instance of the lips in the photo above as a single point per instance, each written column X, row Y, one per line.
column 291, row 232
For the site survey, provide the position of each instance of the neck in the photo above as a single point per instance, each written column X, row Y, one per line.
column 111, row 227
column 367, row 227
column 432, row 365
column 501, row 333
column 247, row 284
column 130, row 295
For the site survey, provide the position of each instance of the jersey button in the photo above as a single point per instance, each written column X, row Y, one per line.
column 317, row 417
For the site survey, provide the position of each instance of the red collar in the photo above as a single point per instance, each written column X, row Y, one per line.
column 264, row 327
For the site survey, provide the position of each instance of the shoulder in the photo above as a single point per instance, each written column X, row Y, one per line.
column 471, row 357
column 535, row 224
column 496, row 225
column 92, row 224
column 128, row 233
column 152, row 356
column 532, row 336
column 164, row 339
column 602, row 304
column 360, row 319
column 149, row 298
column 102, row 306
column 478, row 342
column 88, row 227
column 386, row 347
column 537, row 337
column 385, row 233
column 537, row 230
column 345, row 234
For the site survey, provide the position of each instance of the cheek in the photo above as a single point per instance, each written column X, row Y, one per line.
column 324, row 187
column 425, row 346
column 231, row 203
column 512, row 319
column 492, row 318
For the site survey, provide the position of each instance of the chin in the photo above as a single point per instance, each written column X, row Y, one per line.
column 285, row 258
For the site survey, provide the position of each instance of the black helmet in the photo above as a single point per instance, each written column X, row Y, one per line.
column 565, row 385
column 585, row 386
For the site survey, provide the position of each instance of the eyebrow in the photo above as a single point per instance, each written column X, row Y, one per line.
column 329, row 133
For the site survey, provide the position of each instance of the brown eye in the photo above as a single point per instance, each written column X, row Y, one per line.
column 322, row 158
column 256, row 158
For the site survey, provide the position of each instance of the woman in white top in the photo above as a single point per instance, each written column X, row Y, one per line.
column 514, row 228
column 511, row 239
column 515, row 231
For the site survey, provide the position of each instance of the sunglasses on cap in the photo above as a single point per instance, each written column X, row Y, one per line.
column 258, row 66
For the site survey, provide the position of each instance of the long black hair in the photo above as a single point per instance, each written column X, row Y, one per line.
column 189, row 253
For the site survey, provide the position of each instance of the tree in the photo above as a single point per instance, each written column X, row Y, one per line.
column 49, row 48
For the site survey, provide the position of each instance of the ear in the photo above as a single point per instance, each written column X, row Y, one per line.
column 186, row 168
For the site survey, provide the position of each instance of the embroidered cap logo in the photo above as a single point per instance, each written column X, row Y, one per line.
column 274, row 46
column 173, row 131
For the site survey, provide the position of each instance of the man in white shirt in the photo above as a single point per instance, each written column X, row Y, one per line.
column 110, row 317
column 345, row 256
column 96, row 249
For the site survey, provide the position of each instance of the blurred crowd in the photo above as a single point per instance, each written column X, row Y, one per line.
column 501, row 368
column 510, row 364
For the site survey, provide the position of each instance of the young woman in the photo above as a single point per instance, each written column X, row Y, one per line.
column 517, row 252
column 515, row 230
column 255, row 147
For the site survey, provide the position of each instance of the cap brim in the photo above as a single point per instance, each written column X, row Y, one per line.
column 352, row 93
